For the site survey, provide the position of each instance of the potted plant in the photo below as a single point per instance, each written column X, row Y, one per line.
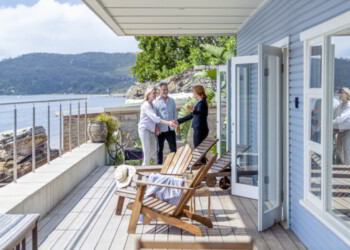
column 101, row 128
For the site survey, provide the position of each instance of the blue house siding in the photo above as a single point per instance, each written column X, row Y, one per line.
column 276, row 20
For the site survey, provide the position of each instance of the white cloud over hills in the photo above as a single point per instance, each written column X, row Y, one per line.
column 53, row 27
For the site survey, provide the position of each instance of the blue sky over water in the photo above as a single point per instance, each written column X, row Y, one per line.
column 56, row 26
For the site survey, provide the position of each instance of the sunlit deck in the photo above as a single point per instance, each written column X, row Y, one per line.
column 86, row 219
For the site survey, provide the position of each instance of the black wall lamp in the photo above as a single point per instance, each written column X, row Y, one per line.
column 296, row 101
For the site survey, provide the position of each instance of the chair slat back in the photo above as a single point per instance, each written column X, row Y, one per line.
column 200, row 151
column 223, row 162
column 167, row 162
column 180, row 164
column 187, row 195
column 175, row 159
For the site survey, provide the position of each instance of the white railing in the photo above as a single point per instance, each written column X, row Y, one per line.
column 39, row 116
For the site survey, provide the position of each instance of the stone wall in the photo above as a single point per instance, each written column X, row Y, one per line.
column 24, row 152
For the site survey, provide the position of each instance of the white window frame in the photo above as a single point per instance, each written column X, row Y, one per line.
column 312, row 93
column 321, row 210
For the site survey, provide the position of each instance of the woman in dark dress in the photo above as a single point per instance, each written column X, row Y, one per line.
column 199, row 114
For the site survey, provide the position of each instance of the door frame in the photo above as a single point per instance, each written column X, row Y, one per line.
column 284, row 45
column 238, row 189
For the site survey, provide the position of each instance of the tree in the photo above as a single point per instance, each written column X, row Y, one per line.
column 165, row 56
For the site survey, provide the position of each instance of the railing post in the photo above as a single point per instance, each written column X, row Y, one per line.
column 33, row 141
column 78, row 123
column 60, row 151
column 15, row 144
column 48, row 134
column 70, row 126
column 85, row 121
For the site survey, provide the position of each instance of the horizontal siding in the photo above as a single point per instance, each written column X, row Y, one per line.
column 276, row 20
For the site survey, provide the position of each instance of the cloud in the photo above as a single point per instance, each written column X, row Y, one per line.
column 342, row 48
column 53, row 27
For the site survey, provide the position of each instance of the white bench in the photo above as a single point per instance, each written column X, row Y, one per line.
column 15, row 227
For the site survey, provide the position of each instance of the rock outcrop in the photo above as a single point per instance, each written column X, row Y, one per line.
column 181, row 83
column 24, row 151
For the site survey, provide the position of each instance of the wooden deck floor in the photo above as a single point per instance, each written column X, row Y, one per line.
column 86, row 219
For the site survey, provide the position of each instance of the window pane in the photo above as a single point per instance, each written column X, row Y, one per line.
column 340, row 180
column 315, row 133
column 247, row 120
column 316, row 66
column 315, row 174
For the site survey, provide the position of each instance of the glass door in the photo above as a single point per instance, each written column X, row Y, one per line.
column 245, row 134
column 222, row 118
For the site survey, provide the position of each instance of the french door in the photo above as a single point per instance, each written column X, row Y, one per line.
column 223, row 98
column 256, row 131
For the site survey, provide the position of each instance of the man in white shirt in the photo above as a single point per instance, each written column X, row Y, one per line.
column 165, row 107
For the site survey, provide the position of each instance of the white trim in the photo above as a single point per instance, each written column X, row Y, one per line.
column 338, row 228
column 338, row 23
column 284, row 45
column 97, row 8
column 252, row 15
column 245, row 60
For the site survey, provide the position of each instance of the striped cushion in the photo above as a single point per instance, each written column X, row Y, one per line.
column 14, row 227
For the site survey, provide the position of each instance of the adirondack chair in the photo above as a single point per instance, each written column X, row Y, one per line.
column 159, row 210
column 222, row 168
column 200, row 152
column 197, row 155
column 175, row 164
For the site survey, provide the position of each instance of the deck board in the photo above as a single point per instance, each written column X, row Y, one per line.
column 86, row 219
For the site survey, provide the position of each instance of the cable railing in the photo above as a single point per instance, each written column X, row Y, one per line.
column 33, row 133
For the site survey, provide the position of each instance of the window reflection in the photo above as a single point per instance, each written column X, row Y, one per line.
column 315, row 134
column 315, row 175
column 316, row 67
column 340, row 70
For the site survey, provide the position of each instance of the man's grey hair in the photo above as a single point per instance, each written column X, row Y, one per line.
column 163, row 84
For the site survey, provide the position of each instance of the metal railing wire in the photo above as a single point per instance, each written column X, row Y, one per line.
column 36, row 130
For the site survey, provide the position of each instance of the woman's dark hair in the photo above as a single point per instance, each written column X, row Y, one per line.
column 199, row 89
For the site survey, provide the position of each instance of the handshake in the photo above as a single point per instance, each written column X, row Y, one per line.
column 173, row 123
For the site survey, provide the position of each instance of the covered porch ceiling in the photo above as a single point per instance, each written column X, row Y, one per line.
column 174, row 17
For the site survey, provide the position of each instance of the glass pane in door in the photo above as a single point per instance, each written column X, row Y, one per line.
column 223, row 111
column 247, row 124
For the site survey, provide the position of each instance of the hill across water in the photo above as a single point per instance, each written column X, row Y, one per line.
column 87, row 73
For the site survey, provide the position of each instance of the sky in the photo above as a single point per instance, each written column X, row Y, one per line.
column 55, row 26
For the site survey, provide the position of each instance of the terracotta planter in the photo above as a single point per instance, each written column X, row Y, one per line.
column 97, row 131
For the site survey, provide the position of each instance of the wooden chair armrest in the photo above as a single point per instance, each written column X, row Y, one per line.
column 171, row 174
column 151, row 168
column 144, row 183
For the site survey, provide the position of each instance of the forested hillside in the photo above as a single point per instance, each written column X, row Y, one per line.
column 87, row 73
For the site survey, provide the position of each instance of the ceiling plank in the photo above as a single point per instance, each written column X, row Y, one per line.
column 216, row 32
column 171, row 19
column 182, row 26
column 182, row 3
column 179, row 12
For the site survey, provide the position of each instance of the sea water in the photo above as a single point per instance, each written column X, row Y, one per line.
column 25, row 111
